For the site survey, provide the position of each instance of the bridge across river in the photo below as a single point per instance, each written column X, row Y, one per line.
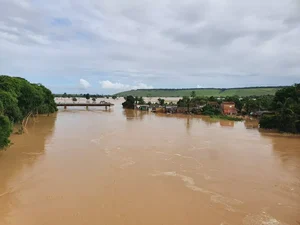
column 87, row 105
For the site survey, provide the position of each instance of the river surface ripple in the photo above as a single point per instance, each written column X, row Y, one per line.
column 128, row 167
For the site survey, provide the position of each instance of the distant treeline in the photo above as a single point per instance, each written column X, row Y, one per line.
column 19, row 100
column 65, row 95
column 222, row 89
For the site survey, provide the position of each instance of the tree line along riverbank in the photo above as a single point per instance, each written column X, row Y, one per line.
column 19, row 100
column 280, row 111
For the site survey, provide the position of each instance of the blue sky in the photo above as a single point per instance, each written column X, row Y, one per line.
column 111, row 45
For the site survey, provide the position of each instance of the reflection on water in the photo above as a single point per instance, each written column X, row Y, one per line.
column 286, row 148
column 251, row 124
column 227, row 123
column 135, row 114
column 131, row 167
column 17, row 162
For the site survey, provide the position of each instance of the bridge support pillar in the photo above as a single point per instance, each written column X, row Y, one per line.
column 105, row 107
column 65, row 107
column 87, row 107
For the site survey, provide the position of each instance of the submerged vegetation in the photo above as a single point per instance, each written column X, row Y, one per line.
column 131, row 101
column 19, row 100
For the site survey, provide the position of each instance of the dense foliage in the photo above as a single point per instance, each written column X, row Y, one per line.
column 244, row 105
column 210, row 110
column 286, row 105
column 18, row 100
column 5, row 130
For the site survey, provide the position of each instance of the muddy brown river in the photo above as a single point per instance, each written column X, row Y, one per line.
column 117, row 167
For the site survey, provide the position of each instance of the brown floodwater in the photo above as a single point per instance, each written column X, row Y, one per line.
column 128, row 167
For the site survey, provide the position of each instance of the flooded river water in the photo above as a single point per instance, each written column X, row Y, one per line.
column 119, row 167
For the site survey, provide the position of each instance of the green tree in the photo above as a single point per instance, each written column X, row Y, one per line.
column 1, row 108
column 286, row 105
column 29, row 99
column 114, row 97
column 197, row 101
column 210, row 110
column 10, row 106
column 87, row 96
column 193, row 94
column 265, row 102
column 251, row 105
column 212, row 99
column 5, row 130
column 129, row 102
column 74, row 99
column 94, row 99
column 19, row 99
column 286, row 116
column 161, row 101
column 65, row 95
column 185, row 102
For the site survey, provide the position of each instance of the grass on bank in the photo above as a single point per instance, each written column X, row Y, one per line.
column 224, row 117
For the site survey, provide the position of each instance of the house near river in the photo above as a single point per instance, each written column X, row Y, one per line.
column 228, row 108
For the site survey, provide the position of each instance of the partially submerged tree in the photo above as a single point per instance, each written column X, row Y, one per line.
column 74, row 99
column 161, row 101
column 129, row 103
column 87, row 96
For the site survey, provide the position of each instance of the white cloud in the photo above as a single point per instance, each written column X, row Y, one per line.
column 168, row 44
column 84, row 84
column 141, row 86
column 199, row 86
column 7, row 36
column 18, row 20
column 119, row 86
column 39, row 39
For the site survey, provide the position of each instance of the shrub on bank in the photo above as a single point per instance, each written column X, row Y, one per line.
column 268, row 122
column 210, row 110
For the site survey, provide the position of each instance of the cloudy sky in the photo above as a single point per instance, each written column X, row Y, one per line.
column 112, row 45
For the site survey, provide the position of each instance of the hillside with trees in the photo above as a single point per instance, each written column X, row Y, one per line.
column 216, row 92
column 20, row 100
